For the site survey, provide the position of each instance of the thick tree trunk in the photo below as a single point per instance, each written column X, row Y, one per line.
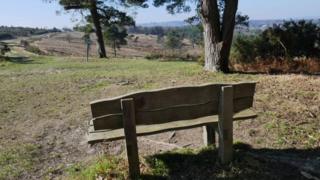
column 212, row 50
column 96, row 22
column 212, row 34
column 217, row 37
column 229, row 20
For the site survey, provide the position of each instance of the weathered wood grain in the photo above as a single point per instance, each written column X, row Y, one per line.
column 164, row 115
column 163, row 108
column 225, row 124
column 131, row 137
column 170, row 97
column 112, row 121
column 95, row 136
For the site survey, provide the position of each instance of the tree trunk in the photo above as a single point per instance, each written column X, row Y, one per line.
column 114, row 49
column 217, row 37
column 229, row 20
column 96, row 22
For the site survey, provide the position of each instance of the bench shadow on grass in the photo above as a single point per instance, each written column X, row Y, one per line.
column 247, row 164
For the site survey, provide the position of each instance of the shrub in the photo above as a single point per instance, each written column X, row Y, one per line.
column 171, row 56
column 34, row 49
column 173, row 40
column 290, row 39
column 4, row 48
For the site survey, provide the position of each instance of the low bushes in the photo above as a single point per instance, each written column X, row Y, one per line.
column 171, row 56
column 292, row 47
column 276, row 66
column 4, row 48
column 289, row 40
column 31, row 48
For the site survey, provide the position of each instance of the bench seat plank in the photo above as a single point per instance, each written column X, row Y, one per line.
column 108, row 135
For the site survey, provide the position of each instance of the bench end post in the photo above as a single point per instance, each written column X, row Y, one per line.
column 129, row 124
column 225, row 124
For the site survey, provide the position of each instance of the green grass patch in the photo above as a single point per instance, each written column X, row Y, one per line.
column 17, row 160
column 107, row 167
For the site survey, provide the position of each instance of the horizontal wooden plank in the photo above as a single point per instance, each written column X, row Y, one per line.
column 242, row 103
column 149, row 100
column 112, row 121
column 165, row 115
column 242, row 90
column 102, row 135
column 169, row 97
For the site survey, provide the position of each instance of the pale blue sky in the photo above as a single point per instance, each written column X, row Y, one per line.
column 36, row 13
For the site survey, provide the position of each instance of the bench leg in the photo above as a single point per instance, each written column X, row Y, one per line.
column 129, row 124
column 209, row 136
column 225, row 125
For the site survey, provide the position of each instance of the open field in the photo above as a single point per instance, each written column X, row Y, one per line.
column 44, row 112
column 72, row 44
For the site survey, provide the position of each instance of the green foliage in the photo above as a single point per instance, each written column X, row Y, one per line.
column 115, row 36
column 191, row 32
column 194, row 34
column 11, row 32
column 155, row 30
column 104, row 167
column 6, row 36
column 110, row 16
column 174, row 39
column 291, row 39
column 33, row 49
column 4, row 48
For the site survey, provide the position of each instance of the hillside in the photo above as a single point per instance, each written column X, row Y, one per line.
column 46, row 111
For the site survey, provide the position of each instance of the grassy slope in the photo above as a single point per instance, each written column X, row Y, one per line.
column 44, row 111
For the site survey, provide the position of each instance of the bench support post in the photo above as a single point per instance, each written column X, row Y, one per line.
column 209, row 136
column 225, row 125
column 129, row 124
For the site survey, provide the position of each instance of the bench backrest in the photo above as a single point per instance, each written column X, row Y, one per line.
column 171, row 104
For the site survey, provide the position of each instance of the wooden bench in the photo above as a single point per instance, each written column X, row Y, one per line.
column 212, row 106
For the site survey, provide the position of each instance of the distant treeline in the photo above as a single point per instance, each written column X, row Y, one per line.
column 159, row 30
column 12, row 32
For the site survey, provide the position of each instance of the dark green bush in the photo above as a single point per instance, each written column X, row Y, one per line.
column 4, row 48
column 290, row 39
column 171, row 56
column 34, row 50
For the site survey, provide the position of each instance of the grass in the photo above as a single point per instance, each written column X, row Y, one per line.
column 104, row 167
column 17, row 160
column 45, row 105
column 189, row 164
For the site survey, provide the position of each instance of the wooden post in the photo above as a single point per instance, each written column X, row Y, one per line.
column 129, row 124
column 88, row 48
column 225, row 125
column 208, row 134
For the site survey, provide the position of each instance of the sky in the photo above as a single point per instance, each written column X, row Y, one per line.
column 36, row 13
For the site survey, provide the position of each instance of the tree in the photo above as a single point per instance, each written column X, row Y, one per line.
column 280, row 41
column 97, row 9
column 116, row 36
column 88, row 29
column 194, row 34
column 173, row 39
column 218, row 19
column 4, row 48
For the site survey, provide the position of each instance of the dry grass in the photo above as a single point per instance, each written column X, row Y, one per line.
column 71, row 44
column 276, row 66
column 45, row 104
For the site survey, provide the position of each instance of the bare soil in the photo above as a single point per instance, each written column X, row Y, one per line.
column 45, row 104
